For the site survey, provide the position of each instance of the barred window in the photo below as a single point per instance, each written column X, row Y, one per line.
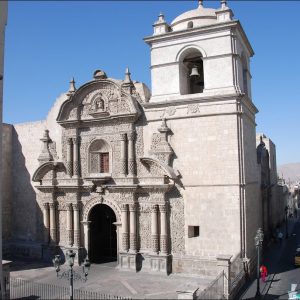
column 99, row 157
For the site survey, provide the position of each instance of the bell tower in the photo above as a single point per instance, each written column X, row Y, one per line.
column 201, row 87
column 203, row 51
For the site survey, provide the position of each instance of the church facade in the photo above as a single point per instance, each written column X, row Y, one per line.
column 162, row 181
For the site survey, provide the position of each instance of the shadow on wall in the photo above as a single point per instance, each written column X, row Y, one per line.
column 27, row 221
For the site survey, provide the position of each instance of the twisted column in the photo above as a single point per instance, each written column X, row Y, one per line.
column 133, row 241
column 131, row 156
column 76, row 225
column 154, row 227
column 163, row 229
column 123, row 138
column 46, row 222
column 125, row 236
column 75, row 157
column 53, row 233
column 69, row 157
column 69, row 225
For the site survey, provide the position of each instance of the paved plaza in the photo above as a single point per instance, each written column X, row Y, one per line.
column 107, row 279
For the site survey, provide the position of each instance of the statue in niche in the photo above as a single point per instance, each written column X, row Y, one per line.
column 98, row 104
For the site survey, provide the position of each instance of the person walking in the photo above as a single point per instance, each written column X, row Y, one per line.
column 263, row 272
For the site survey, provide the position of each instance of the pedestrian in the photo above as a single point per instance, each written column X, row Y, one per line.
column 263, row 272
column 280, row 237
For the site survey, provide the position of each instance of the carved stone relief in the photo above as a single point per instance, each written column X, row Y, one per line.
column 193, row 109
column 101, row 200
column 144, row 217
column 62, row 225
column 176, row 211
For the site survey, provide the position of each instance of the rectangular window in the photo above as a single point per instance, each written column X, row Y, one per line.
column 193, row 231
column 104, row 162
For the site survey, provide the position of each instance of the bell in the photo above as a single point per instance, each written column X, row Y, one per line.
column 195, row 72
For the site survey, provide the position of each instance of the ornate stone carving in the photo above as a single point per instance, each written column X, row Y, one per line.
column 45, row 154
column 125, row 239
column 144, row 226
column 99, row 200
column 193, row 109
column 164, row 243
column 132, row 207
column 133, row 241
column 160, row 147
column 177, row 225
column 154, row 243
column 171, row 110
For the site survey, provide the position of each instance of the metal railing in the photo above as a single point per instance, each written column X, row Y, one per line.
column 21, row 289
column 215, row 290
column 237, row 273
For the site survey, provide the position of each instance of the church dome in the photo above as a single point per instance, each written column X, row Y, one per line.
column 195, row 18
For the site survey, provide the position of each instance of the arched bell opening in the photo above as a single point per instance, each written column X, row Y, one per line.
column 191, row 72
column 103, row 235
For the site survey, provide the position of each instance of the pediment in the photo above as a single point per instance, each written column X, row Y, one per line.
column 98, row 100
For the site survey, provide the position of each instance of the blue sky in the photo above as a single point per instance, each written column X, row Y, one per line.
column 49, row 42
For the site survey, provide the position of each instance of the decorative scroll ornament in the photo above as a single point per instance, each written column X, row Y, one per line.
column 45, row 155
column 160, row 147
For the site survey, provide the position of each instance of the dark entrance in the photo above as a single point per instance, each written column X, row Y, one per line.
column 103, row 236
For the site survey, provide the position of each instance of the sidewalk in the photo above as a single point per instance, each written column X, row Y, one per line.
column 272, row 258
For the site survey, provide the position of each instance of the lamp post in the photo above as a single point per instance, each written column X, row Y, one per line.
column 259, row 237
column 71, row 274
column 286, row 222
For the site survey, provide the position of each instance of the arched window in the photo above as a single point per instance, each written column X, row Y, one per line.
column 99, row 157
column 191, row 73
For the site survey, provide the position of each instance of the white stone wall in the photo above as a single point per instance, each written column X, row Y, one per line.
column 27, row 146
column 6, row 180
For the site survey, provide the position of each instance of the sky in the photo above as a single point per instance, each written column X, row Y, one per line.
column 49, row 42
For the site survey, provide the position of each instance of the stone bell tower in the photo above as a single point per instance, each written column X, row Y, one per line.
column 206, row 39
column 201, row 86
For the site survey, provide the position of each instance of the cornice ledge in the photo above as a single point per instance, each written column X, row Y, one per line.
column 213, row 98
column 249, row 104
column 182, row 33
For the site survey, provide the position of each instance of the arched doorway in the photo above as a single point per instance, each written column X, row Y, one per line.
column 103, row 236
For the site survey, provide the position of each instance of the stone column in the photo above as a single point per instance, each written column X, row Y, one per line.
column 69, row 158
column 224, row 264
column 46, row 222
column 53, row 233
column 123, row 153
column 124, row 216
column 86, row 232
column 154, row 231
column 76, row 225
column 69, row 224
column 163, row 229
column 75, row 157
column 131, row 156
column 132, row 210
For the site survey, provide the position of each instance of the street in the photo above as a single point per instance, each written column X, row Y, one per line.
column 279, row 260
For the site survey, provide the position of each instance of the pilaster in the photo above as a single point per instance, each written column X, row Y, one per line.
column 46, row 219
column 75, row 157
column 69, row 157
column 69, row 224
column 76, row 218
column 53, row 227
column 133, row 238
column 131, row 154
